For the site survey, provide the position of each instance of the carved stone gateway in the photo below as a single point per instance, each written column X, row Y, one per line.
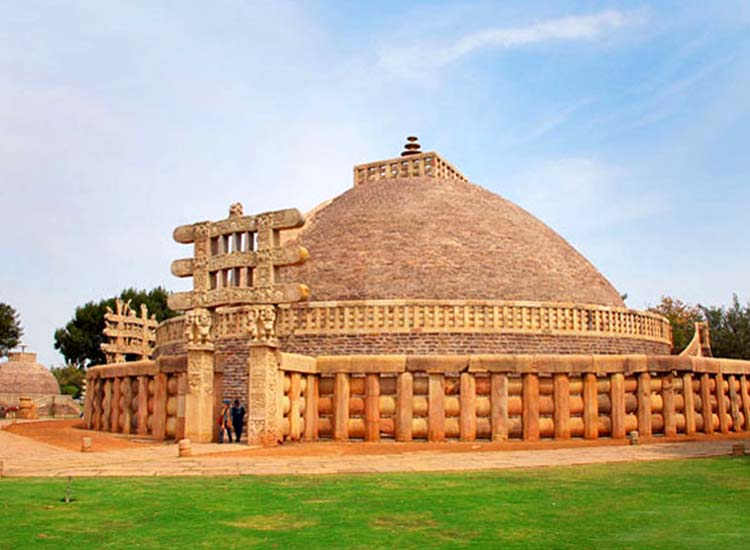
column 234, row 263
column 128, row 334
column 236, row 259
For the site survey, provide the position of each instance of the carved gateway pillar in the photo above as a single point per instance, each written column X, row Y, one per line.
column 235, row 263
column 264, row 378
column 199, row 399
column 264, row 385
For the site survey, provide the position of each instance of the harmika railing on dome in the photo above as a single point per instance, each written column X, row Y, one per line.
column 412, row 164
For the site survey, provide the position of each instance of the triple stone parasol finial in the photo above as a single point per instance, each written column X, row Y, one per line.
column 411, row 147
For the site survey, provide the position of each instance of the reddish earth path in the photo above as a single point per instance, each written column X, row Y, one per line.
column 52, row 448
column 67, row 434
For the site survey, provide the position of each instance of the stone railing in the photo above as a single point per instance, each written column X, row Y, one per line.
column 227, row 322
column 171, row 331
column 139, row 397
column 420, row 165
column 474, row 317
column 506, row 397
column 390, row 316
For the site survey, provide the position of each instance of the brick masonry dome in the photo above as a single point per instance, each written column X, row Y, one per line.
column 22, row 375
column 439, row 238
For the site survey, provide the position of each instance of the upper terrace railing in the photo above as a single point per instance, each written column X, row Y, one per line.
column 171, row 331
column 460, row 316
column 441, row 316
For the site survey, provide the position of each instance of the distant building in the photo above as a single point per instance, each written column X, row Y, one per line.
column 21, row 376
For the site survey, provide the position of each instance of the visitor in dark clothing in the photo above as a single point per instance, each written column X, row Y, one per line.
column 238, row 419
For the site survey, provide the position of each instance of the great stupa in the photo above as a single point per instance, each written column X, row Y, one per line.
column 415, row 305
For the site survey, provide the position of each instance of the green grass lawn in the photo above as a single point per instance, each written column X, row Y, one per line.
column 670, row 505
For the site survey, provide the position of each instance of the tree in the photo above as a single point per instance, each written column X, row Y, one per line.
column 10, row 329
column 730, row 329
column 682, row 317
column 70, row 379
column 81, row 339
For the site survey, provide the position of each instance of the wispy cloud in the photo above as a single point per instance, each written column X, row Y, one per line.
column 417, row 59
column 579, row 195
column 665, row 101
column 109, row 138
column 550, row 122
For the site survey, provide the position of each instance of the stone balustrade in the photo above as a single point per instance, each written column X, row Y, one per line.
column 171, row 331
column 430, row 165
column 467, row 316
column 140, row 397
column 425, row 316
column 507, row 397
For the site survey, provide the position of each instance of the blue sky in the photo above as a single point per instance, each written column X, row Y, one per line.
column 623, row 125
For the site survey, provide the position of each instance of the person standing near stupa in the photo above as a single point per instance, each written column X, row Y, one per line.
column 225, row 422
column 238, row 419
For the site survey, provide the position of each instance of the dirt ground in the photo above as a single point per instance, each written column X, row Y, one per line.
column 52, row 448
column 67, row 434
column 389, row 447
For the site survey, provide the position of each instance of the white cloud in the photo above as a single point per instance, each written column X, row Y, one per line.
column 98, row 166
column 119, row 123
column 418, row 59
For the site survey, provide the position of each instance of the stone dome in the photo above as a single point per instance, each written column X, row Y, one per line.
column 417, row 260
column 22, row 375
column 443, row 239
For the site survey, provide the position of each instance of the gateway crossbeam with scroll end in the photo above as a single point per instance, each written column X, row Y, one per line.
column 291, row 218
column 289, row 255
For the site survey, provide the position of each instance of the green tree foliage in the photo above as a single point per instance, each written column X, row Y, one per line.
column 70, row 379
column 81, row 339
column 729, row 326
column 730, row 329
column 682, row 317
column 10, row 329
